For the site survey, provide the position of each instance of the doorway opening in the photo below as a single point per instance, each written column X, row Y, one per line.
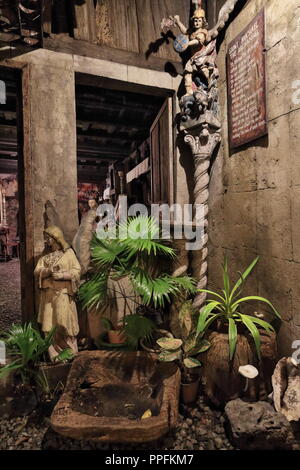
column 10, row 275
column 124, row 143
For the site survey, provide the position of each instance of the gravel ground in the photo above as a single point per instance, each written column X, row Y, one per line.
column 10, row 293
column 199, row 428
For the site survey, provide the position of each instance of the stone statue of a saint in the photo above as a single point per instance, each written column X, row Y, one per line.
column 58, row 275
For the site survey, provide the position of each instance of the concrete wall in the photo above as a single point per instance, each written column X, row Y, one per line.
column 53, row 140
column 255, row 191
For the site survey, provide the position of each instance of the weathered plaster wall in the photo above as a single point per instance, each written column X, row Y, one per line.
column 53, row 140
column 255, row 192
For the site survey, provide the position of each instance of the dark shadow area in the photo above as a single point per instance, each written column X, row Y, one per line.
column 187, row 163
column 171, row 69
column 154, row 47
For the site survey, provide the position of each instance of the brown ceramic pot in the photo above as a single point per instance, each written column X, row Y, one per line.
column 189, row 392
column 116, row 336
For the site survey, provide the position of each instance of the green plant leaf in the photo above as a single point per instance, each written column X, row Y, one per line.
column 6, row 370
column 201, row 346
column 248, row 322
column 236, row 304
column 243, row 277
column 169, row 344
column 204, row 314
column 265, row 325
column 26, row 343
column 107, row 324
column 191, row 362
column 65, row 355
column 232, row 334
column 212, row 293
column 160, row 289
column 137, row 252
column 212, row 319
column 94, row 293
column 226, row 281
column 137, row 327
column 167, row 356
column 186, row 317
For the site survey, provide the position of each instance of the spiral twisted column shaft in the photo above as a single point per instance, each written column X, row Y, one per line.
column 202, row 147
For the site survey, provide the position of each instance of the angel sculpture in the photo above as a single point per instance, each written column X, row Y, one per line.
column 200, row 71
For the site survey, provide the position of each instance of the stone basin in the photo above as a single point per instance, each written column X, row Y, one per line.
column 107, row 393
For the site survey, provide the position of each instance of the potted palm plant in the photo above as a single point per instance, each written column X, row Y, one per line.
column 183, row 352
column 236, row 339
column 131, row 266
column 28, row 365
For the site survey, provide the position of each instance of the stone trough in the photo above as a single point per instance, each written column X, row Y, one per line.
column 108, row 394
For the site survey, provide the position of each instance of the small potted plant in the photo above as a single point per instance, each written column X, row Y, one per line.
column 236, row 339
column 129, row 333
column 27, row 350
column 183, row 353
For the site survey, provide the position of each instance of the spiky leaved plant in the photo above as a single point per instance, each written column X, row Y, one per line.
column 28, row 348
column 227, row 307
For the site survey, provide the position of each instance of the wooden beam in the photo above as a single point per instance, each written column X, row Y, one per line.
column 103, row 133
column 85, row 122
column 101, row 156
column 108, row 149
column 82, row 48
column 84, row 138
column 120, row 85
column 8, row 163
column 7, row 131
column 109, row 100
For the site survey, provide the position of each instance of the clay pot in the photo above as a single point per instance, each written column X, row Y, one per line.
column 189, row 392
column 116, row 336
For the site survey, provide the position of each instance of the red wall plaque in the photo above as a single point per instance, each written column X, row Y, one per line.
column 246, row 81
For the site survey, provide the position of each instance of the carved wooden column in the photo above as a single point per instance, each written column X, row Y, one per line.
column 199, row 117
column 202, row 140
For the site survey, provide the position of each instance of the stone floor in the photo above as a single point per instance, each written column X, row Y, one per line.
column 10, row 293
column 199, row 428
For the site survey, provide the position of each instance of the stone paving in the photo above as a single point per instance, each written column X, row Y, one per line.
column 10, row 293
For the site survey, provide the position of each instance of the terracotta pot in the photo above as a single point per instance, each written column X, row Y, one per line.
column 159, row 334
column 116, row 336
column 189, row 392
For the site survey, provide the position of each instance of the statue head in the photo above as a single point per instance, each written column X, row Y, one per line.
column 92, row 202
column 54, row 238
column 198, row 19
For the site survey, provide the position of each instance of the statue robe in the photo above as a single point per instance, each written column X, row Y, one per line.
column 57, row 306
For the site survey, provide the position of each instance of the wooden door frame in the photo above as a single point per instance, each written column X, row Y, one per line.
column 170, row 94
column 25, row 188
column 170, row 103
